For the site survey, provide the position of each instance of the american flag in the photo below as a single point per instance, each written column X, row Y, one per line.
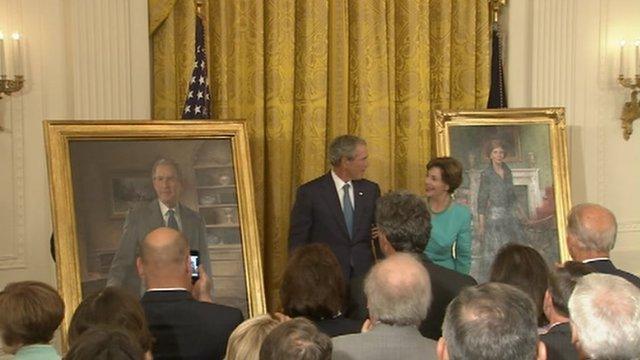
column 196, row 106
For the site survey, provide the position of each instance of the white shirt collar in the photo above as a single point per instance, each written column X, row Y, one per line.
column 594, row 259
column 164, row 208
column 168, row 289
column 339, row 182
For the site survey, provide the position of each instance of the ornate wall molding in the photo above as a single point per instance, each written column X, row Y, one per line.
column 629, row 227
column 100, row 46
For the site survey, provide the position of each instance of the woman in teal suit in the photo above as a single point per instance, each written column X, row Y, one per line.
column 450, row 242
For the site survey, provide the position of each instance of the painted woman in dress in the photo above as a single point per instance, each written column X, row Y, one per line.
column 498, row 211
column 450, row 242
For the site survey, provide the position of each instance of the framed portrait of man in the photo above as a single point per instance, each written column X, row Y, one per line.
column 516, row 180
column 112, row 182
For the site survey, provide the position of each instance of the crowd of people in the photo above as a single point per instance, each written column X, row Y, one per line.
column 406, row 299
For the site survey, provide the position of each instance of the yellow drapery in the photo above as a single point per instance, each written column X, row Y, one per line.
column 302, row 73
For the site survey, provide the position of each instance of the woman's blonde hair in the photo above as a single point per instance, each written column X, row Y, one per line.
column 244, row 342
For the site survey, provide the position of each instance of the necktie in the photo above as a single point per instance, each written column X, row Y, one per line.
column 347, row 209
column 171, row 221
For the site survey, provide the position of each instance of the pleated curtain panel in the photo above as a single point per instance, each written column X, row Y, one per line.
column 303, row 72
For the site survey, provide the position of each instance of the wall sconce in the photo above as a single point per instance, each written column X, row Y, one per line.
column 9, row 86
column 631, row 109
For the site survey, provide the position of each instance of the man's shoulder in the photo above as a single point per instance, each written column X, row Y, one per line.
column 187, row 211
column 320, row 180
column 452, row 278
column 366, row 183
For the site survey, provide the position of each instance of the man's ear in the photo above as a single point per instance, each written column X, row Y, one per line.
column 441, row 349
column 542, row 351
column 140, row 267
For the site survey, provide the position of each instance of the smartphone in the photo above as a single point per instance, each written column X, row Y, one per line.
column 194, row 256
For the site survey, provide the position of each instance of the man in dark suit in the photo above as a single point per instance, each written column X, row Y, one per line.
column 562, row 281
column 182, row 317
column 591, row 235
column 167, row 211
column 404, row 226
column 337, row 208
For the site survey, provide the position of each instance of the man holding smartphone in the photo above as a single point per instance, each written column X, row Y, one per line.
column 165, row 211
column 174, row 307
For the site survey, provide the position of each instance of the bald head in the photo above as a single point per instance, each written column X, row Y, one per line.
column 164, row 258
column 398, row 290
column 593, row 229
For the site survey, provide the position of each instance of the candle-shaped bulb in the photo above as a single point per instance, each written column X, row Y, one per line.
column 15, row 36
column 622, row 44
column 17, row 55
column 637, row 43
column 3, row 70
column 1, row 36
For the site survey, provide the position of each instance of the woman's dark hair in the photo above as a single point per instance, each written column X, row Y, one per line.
column 523, row 267
column 114, row 307
column 105, row 343
column 30, row 312
column 312, row 285
column 451, row 170
column 494, row 144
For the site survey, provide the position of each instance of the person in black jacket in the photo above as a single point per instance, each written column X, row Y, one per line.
column 182, row 317
column 591, row 235
column 404, row 226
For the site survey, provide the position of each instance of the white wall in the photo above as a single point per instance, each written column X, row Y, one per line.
column 83, row 59
column 565, row 53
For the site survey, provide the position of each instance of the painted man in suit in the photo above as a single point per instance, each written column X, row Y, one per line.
column 398, row 293
column 167, row 211
column 182, row 317
column 591, row 235
column 337, row 208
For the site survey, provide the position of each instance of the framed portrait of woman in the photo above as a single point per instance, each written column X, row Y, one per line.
column 516, row 179
column 111, row 183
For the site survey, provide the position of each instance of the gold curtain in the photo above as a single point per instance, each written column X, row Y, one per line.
column 302, row 73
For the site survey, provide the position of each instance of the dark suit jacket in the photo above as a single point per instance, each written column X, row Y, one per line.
column 446, row 284
column 139, row 222
column 607, row 267
column 338, row 326
column 558, row 343
column 184, row 328
column 317, row 217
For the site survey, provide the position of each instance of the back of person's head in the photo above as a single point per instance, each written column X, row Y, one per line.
column 523, row 267
column 296, row 339
column 593, row 226
column 164, row 259
column 105, row 343
column 398, row 290
column 562, row 281
column 491, row 321
column 245, row 341
column 113, row 307
column 312, row 284
column 30, row 312
column 605, row 317
column 404, row 220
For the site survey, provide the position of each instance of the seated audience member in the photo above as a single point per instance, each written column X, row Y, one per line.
column 313, row 287
column 296, row 339
column 605, row 317
column 182, row 317
column 591, row 235
column 561, row 283
column 111, row 307
column 491, row 321
column 398, row 294
column 30, row 312
column 523, row 267
column 403, row 226
column 106, row 343
column 246, row 339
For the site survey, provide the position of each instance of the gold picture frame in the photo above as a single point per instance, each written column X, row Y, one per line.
column 216, row 168
column 538, row 182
